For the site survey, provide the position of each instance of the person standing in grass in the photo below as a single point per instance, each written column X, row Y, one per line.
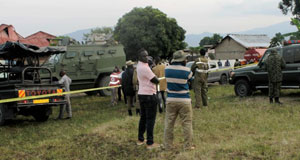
column 159, row 71
column 274, row 65
column 114, row 81
column 148, row 100
column 200, row 69
column 127, row 85
column 178, row 100
column 66, row 81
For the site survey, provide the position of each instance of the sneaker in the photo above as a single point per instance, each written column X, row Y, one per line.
column 139, row 143
column 153, row 146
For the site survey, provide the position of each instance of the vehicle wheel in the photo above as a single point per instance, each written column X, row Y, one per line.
column 104, row 82
column 223, row 79
column 2, row 112
column 242, row 88
column 42, row 114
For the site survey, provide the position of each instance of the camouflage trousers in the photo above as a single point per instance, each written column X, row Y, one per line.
column 184, row 111
column 274, row 89
column 200, row 90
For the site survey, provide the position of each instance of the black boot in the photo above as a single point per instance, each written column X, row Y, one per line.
column 277, row 100
column 129, row 113
column 137, row 111
column 160, row 109
column 271, row 100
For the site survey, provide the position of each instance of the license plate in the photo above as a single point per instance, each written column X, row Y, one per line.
column 40, row 101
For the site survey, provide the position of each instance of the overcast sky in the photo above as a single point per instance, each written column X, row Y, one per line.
column 195, row 16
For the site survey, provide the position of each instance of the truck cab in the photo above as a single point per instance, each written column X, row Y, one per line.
column 249, row 79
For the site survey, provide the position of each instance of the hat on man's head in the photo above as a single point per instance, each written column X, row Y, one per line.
column 128, row 63
column 179, row 56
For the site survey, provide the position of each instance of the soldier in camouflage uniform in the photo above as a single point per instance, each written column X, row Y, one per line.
column 274, row 64
column 200, row 68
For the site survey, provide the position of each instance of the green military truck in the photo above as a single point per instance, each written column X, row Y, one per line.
column 252, row 78
column 88, row 66
column 20, row 72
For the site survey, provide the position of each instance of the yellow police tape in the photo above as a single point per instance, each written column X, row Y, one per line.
column 95, row 89
column 55, row 94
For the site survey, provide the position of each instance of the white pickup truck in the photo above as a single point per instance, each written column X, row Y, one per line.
column 215, row 73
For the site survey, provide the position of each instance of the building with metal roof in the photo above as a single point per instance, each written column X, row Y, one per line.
column 234, row 46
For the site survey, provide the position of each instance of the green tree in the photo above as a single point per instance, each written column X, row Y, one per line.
column 292, row 6
column 214, row 40
column 277, row 40
column 105, row 30
column 150, row 29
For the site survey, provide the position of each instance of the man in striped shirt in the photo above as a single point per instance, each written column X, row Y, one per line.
column 178, row 100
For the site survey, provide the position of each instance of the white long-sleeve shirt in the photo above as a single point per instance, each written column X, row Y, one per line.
column 66, row 81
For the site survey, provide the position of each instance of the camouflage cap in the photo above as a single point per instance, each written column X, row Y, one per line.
column 179, row 56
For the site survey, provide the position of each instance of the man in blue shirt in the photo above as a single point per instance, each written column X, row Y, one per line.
column 178, row 100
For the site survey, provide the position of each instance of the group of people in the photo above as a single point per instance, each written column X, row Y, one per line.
column 153, row 81
column 149, row 81
column 227, row 63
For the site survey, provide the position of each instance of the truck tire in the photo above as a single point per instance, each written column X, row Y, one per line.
column 104, row 82
column 42, row 114
column 242, row 88
column 223, row 79
column 2, row 112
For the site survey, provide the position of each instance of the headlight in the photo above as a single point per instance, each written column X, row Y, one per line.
column 232, row 74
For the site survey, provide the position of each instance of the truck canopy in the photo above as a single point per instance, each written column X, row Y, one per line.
column 12, row 50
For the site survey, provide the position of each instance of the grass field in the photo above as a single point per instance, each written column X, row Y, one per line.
column 230, row 128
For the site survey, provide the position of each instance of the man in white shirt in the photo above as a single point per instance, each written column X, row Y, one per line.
column 66, row 81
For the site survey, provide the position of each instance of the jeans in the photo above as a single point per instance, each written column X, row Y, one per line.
column 148, row 104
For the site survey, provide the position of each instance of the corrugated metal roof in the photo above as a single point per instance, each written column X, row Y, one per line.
column 251, row 41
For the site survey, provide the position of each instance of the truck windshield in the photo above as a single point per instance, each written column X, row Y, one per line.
column 263, row 59
column 54, row 58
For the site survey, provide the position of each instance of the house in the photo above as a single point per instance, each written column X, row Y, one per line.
column 8, row 33
column 40, row 39
column 234, row 46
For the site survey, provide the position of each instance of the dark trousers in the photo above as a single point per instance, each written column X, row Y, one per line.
column 119, row 94
column 148, row 104
column 162, row 99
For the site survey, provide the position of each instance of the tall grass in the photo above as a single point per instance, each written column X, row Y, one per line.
column 229, row 128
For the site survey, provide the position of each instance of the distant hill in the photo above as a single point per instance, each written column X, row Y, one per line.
column 284, row 27
column 194, row 39
column 78, row 35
